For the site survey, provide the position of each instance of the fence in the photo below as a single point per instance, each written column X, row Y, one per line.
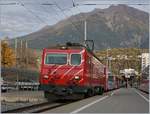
column 19, row 79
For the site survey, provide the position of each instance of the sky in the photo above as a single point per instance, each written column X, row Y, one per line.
column 21, row 17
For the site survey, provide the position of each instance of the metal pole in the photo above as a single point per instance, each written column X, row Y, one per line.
column 85, row 30
column 21, row 50
column 16, row 47
column 0, row 15
column 16, row 60
column 26, row 48
column 110, row 64
column 107, row 59
column 27, row 53
column 21, row 56
column 73, row 3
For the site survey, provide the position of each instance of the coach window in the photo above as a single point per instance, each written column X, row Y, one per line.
column 75, row 59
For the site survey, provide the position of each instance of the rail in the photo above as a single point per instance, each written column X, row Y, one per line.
column 37, row 108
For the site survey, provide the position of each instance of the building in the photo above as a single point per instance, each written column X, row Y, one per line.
column 145, row 60
column 145, row 72
column 128, row 73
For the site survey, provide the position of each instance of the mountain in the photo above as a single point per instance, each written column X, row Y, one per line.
column 116, row 26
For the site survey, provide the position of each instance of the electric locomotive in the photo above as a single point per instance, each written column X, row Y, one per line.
column 72, row 69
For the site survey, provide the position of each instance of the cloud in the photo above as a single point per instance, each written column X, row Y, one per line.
column 20, row 19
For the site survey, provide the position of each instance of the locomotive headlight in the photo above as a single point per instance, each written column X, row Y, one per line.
column 45, row 76
column 64, row 47
column 77, row 77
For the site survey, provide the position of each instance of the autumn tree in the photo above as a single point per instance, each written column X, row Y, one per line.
column 7, row 55
column 26, row 57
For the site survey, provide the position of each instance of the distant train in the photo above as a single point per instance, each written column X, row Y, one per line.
column 144, row 81
column 73, row 69
column 144, row 85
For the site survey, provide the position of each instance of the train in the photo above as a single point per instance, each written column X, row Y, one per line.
column 144, row 85
column 144, row 80
column 73, row 69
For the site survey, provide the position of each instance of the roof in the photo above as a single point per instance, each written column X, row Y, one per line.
column 67, row 46
column 70, row 45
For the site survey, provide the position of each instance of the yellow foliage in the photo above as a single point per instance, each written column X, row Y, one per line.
column 7, row 55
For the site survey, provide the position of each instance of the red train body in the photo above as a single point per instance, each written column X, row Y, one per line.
column 72, row 70
column 144, row 85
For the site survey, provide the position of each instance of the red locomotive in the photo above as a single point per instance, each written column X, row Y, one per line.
column 72, row 69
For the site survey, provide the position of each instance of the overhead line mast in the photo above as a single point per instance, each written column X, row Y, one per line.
column 85, row 25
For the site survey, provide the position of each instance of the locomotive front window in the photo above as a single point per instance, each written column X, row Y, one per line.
column 75, row 59
column 58, row 59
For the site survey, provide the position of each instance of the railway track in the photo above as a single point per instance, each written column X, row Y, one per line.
column 147, row 92
column 38, row 107
column 41, row 107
